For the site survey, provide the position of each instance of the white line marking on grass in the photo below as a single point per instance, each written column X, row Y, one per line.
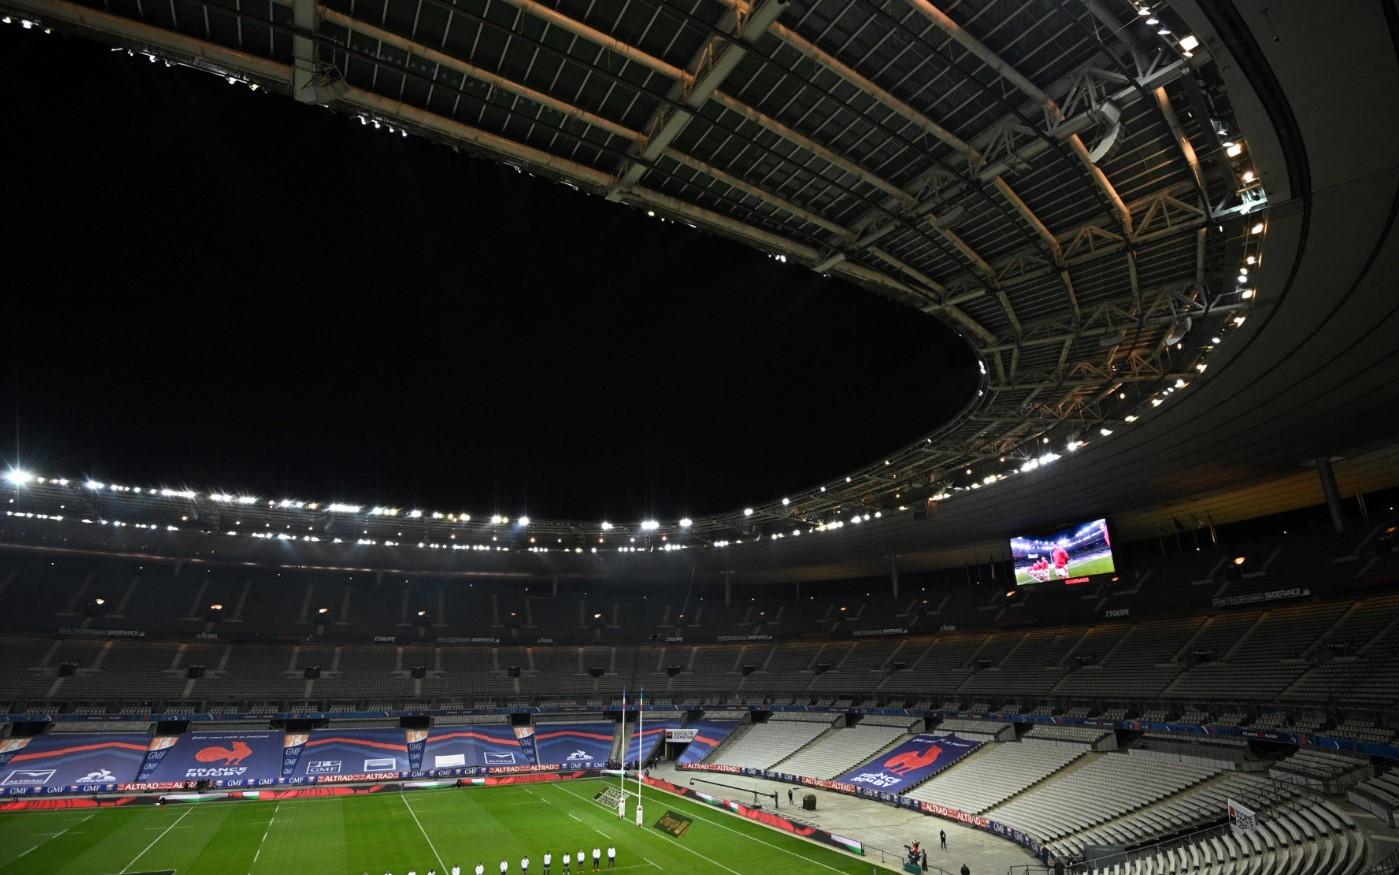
column 424, row 832
column 257, row 854
column 735, row 832
column 31, row 849
column 650, row 863
column 575, row 817
column 86, row 819
column 153, row 841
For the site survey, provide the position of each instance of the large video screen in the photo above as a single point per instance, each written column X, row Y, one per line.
column 1071, row 556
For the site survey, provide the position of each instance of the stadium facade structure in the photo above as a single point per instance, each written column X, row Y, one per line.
column 1166, row 248
column 1090, row 201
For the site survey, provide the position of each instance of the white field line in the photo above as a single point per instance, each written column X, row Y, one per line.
column 737, row 833
column 153, row 841
column 404, row 797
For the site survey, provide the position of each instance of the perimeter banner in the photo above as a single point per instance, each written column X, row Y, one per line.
column 909, row 764
column 70, row 763
column 639, row 749
column 709, row 734
column 224, row 759
column 465, row 750
column 352, row 755
column 576, row 745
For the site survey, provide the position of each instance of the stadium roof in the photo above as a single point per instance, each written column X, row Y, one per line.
column 1082, row 195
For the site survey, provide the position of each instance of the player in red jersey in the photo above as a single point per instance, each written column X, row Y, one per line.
column 1061, row 562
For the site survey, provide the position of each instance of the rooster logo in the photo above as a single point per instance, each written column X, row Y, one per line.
column 229, row 756
column 913, row 760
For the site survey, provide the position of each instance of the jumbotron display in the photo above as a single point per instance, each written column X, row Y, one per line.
column 1072, row 556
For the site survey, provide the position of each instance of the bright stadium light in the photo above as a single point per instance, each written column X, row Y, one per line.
column 523, row 521
column 748, row 511
column 19, row 477
column 606, row 526
column 686, row 522
column 786, row 501
column 649, row 525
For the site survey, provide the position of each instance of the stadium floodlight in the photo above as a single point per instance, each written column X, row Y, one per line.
column 1257, row 228
column 339, row 507
column 1246, row 294
column 1105, row 431
column 1189, row 42
column 649, row 525
column 1234, row 150
column 496, row 519
column 686, row 522
column 522, row 521
column 19, row 477
column 606, row 526
column 786, row 501
column 748, row 511
column 415, row 514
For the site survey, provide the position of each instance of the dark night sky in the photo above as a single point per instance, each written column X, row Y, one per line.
column 221, row 289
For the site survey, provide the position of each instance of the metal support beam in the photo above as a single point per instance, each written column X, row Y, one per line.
column 1003, row 69
column 305, row 16
column 712, row 66
column 1332, row 493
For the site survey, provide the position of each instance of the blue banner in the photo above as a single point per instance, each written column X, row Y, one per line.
column 709, row 735
column 352, row 755
column 639, row 749
column 581, row 745
column 70, row 763
column 465, row 750
column 909, row 764
column 224, row 759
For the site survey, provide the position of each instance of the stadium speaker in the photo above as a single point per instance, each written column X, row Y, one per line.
column 823, row 667
column 312, row 672
column 419, row 672
column 596, row 672
column 194, row 672
column 67, row 669
column 514, row 671
column 900, row 665
column 749, row 669
column 983, row 663
column 672, row 670
column 809, row 802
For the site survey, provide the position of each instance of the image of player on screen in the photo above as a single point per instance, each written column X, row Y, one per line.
column 1072, row 554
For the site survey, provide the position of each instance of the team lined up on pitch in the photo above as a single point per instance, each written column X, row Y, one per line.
column 547, row 867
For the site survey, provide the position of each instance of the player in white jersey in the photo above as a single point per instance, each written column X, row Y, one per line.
column 611, row 857
column 566, row 859
column 548, row 861
column 597, row 859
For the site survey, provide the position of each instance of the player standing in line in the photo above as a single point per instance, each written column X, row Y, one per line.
column 524, row 866
column 456, row 870
column 480, row 869
column 611, row 857
column 548, row 861
column 565, row 864
column 597, row 859
column 504, row 867
column 582, row 859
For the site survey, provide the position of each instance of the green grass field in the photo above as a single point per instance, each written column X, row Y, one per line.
column 396, row 832
column 1097, row 565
